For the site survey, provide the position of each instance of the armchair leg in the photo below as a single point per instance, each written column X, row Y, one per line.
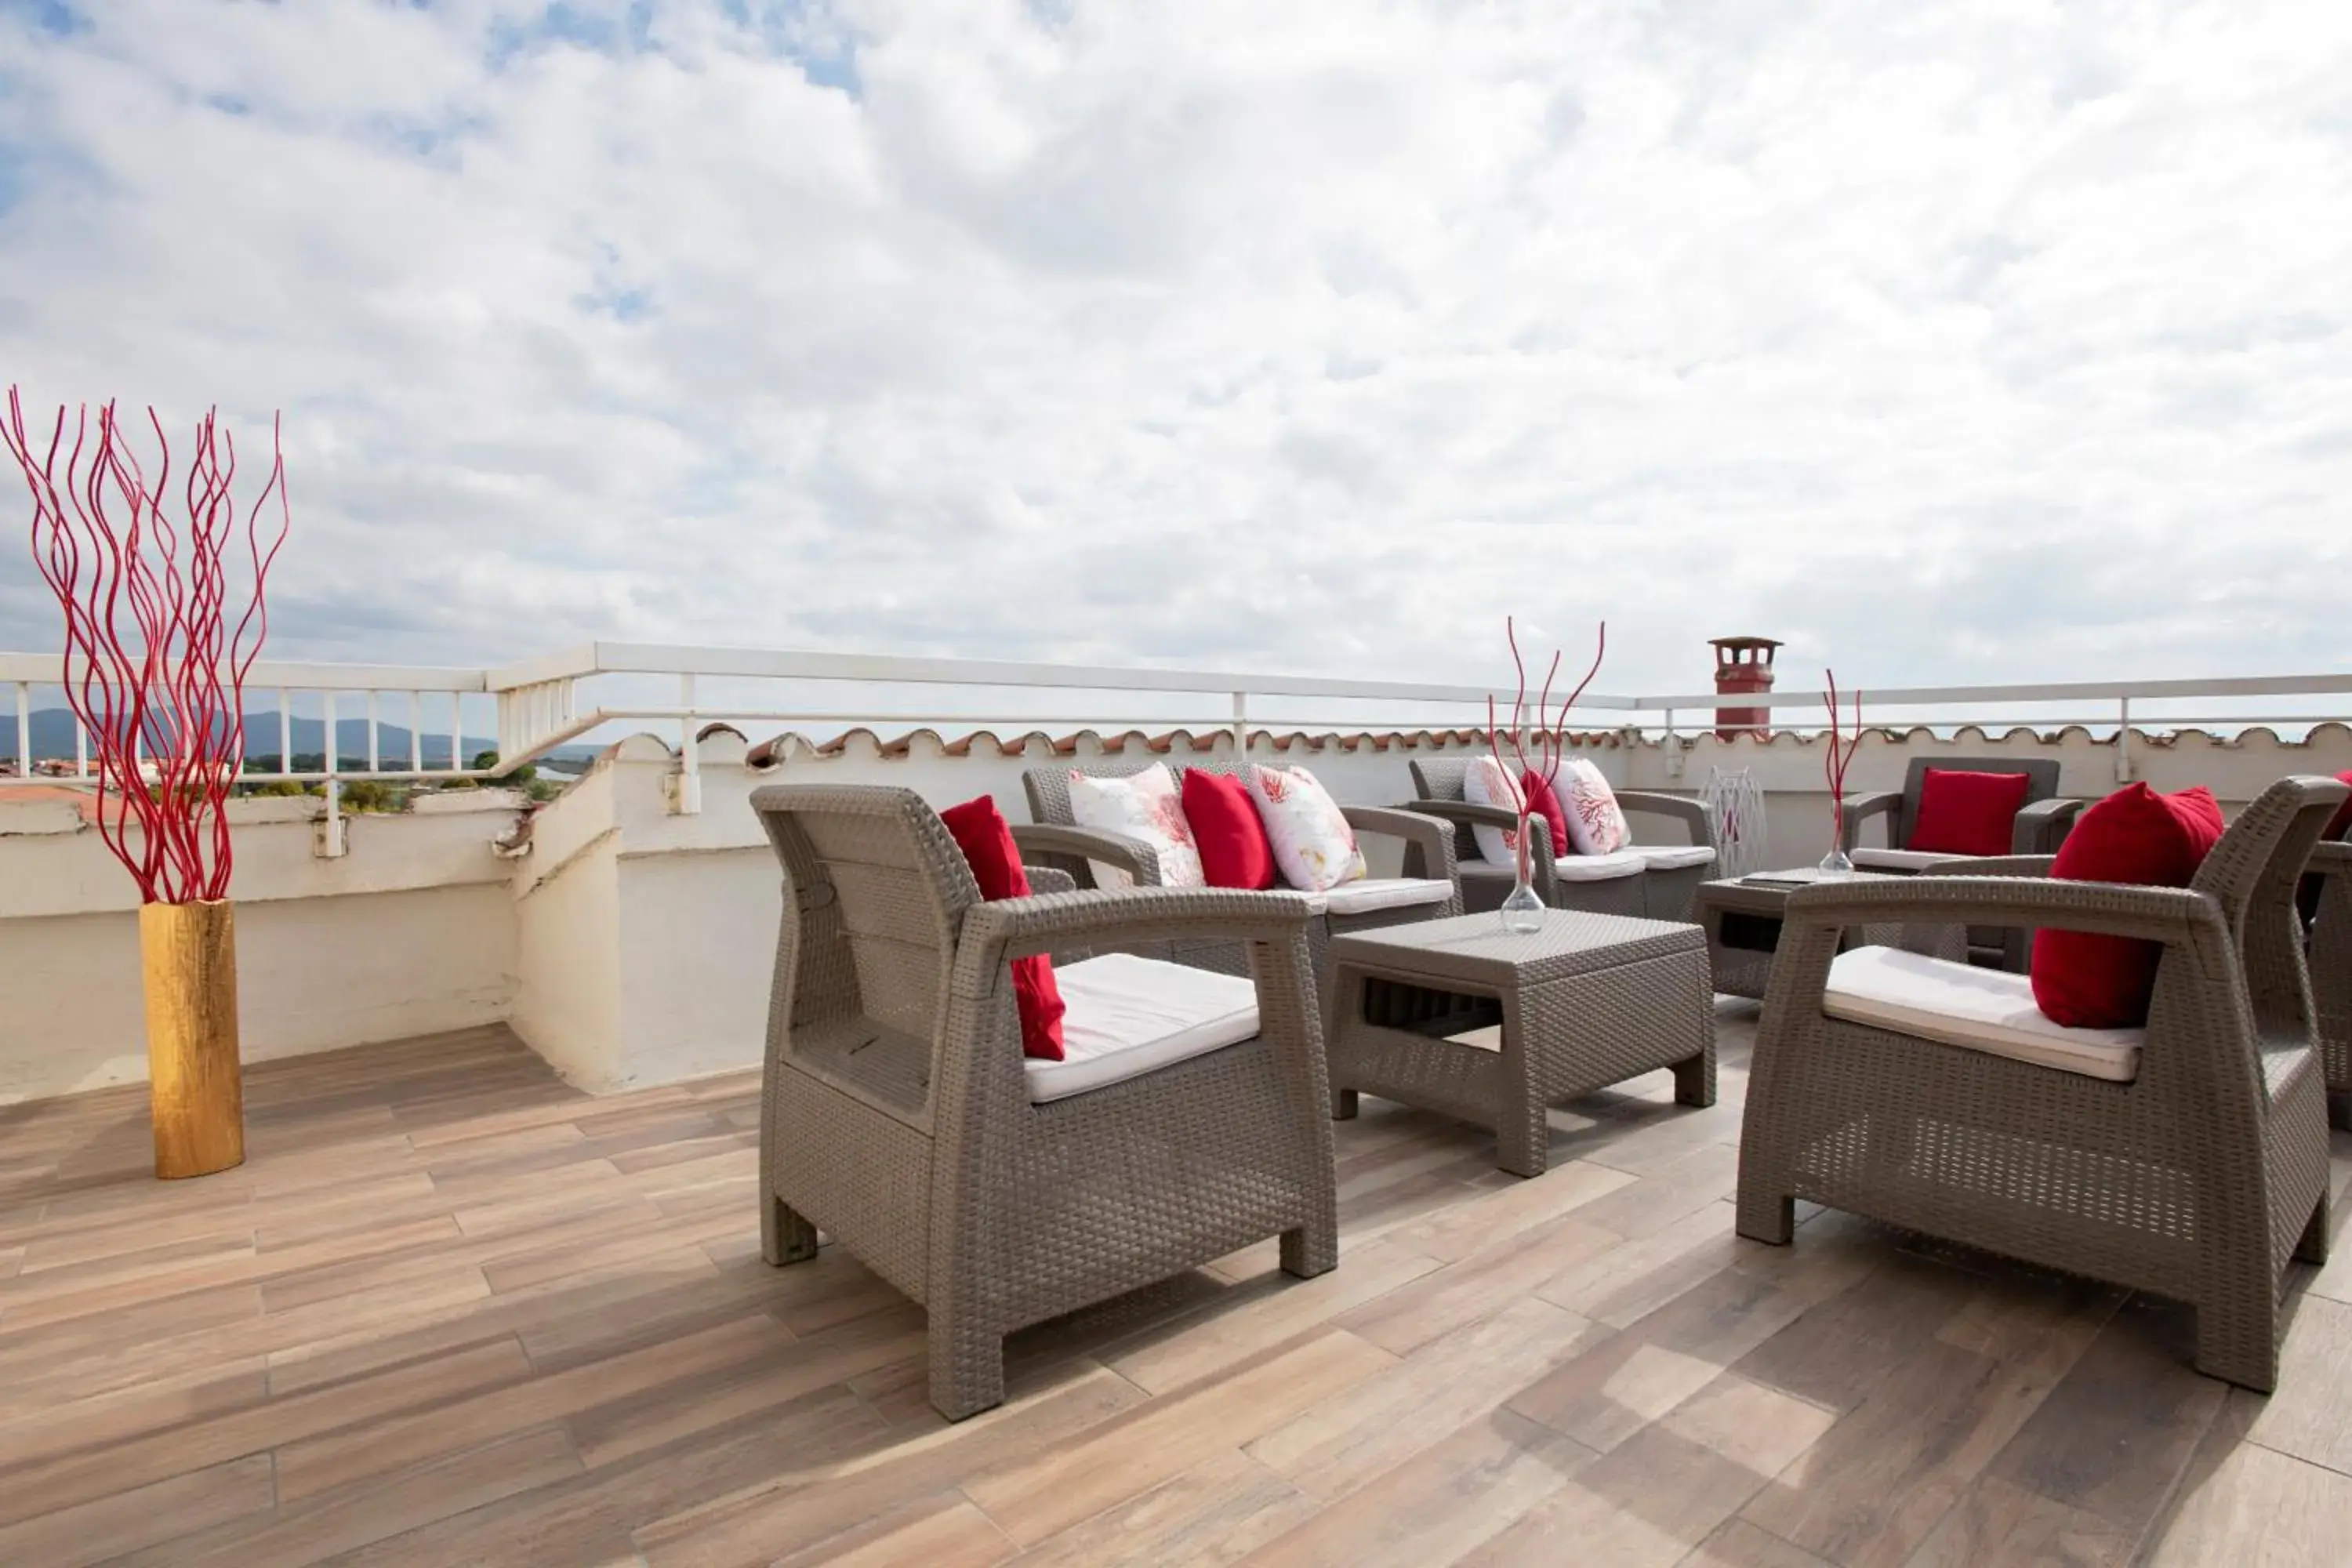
column 967, row 1367
column 1311, row 1249
column 2313, row 1247
column 2238, row 1343
column 1767, row 1210
column 1343, row 1105
column 784, row 1236
column 1694, row 1080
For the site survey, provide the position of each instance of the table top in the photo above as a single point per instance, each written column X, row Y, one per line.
column 1479, row 947
column 1764, row 898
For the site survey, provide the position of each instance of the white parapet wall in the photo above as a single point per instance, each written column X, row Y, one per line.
column 633, row 945
column 411, row 932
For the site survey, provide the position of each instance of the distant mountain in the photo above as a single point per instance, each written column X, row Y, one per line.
column 53, row 736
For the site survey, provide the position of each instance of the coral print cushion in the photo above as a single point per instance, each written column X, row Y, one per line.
column 1143, row 806
column 1314, row 848
column 1595, row 824
column 1488, row 783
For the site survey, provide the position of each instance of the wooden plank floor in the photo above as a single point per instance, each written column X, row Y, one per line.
column 452, row 1311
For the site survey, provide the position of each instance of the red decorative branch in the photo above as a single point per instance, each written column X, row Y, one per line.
column 1840, row 753
column 1550, row 728
column 152, row 668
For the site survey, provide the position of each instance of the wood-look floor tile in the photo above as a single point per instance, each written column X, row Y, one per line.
column 1048, row 1492
column 1997, row 1524
column 2309, row 1416
column 1739, row 1544
column 2260, row 1507
column 1343, row 1442
column 940, row 1531
column 1870, row 1491
column 1262, row 1313
column 127, row 1520
column 1649, row 1504
column 788, row 1509
column 2120, row 1426
column 1217, row 1512
column 1440, row 1504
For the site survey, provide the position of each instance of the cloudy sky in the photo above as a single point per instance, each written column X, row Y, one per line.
column 1997, row 341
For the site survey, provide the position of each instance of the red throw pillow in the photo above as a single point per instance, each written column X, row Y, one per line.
column 2089, row 981
column 1227, row 831
column 2343, row 817
column 1544, row 801
column 1967, row 814
column 980, row 832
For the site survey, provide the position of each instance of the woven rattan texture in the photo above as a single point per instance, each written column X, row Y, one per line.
column 1657, row 893
column 993, row 1211
column 1588, row 1001
column 2197, row 1179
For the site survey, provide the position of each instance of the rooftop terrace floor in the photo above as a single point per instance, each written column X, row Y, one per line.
column 454, row 1312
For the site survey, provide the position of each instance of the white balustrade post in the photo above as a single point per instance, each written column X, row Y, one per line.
column 24, row 729
column 685, row 790
column 1240, row 726
column 1674, row 747
column 2122, row 743
column 330, row 840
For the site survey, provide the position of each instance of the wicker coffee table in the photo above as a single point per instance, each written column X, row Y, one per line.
column 1742, row 922
column 1583, row 1003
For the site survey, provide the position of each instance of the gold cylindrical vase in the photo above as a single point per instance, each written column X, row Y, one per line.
column 196, row 1084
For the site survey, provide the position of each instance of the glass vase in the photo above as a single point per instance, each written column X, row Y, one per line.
column 1836, row 863
column 1522, row 910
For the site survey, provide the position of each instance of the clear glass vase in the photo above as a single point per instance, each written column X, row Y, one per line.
column 1522, row 910
column 1836, row 863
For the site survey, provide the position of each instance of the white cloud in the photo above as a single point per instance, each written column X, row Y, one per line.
column 1998, row 341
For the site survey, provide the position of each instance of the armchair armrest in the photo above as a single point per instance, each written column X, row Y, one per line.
column 1993, row 866
column 2170, row 915
column 1693, row 813
column 1877, row 803
column 997, row 931
column 1133, row 856
column 1429, row 837
column 2041, row 826
column 1544, row 876
column 1045, row 879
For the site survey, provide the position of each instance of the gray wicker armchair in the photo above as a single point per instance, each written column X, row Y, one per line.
column 1056, row 840
column 2041, row 824
column 2195, row 1174
column 1659, row 881
column 899, row 1112
column 2330, row 954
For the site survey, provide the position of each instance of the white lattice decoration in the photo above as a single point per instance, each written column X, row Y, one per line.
column 1736, row 803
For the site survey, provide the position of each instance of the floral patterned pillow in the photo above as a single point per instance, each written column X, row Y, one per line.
column 1595, row 824
column 1314, row 848
column 1143, row 806
column 1489, row 782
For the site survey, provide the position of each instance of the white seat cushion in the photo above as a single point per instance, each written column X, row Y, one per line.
column 1672, row 857
column 1599, row 867
column 1903, row 859
column 1128, row 1015
column 1363, row 897
column 1987, row 1010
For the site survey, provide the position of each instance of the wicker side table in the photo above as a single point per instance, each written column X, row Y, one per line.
column 1584, row 1002
column 1742, row 922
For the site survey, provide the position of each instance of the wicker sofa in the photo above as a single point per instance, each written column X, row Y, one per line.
column 1656, row 880
column 2188, row 1159
column 1054, row 839
column 899, row 1113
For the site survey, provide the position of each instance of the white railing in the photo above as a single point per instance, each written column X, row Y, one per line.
column 546, row 702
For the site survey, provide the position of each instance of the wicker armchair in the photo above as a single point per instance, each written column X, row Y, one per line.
column 1056, row 840
column 2330, row 956
column 2041, row 824
column 1659, row 881
column 899, row 1112
column 2195, row 1174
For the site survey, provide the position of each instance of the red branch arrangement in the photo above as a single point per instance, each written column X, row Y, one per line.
column 152, row 667
column 1841, row 750
column 1550, row 729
